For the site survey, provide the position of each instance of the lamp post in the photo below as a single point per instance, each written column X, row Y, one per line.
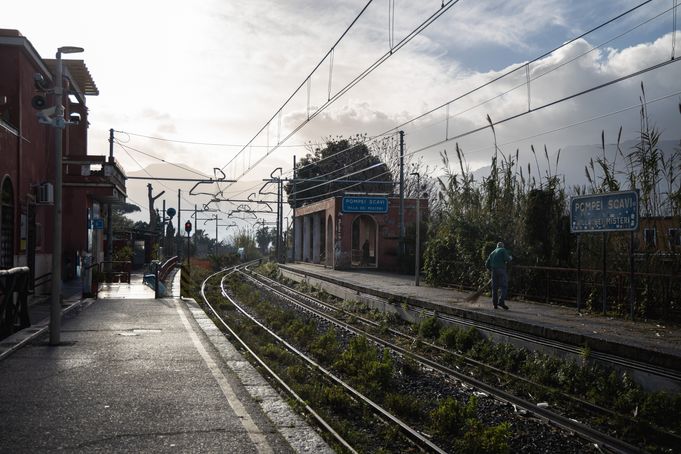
column 59, row 124
column 418, row 228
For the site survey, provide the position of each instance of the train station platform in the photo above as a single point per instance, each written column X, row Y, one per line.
column 650, row 342
column 138, row 374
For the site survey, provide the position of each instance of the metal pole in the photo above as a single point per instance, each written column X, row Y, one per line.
column 163, row 232
column 632, row 293
column 293, row 216
column 179, row 231
column 281, row 253
column 418, row 229
column 109, row 212
column 579, row 272
column 605, row 277
column 55, row 297
column 216, row 234
column 278, row 242
column 401, row 245
column 189, row 265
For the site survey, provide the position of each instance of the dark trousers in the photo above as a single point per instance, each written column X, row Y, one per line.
column 499, row 286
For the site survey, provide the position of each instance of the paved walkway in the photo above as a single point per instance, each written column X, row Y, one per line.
column 647, row 340
column 137, row 374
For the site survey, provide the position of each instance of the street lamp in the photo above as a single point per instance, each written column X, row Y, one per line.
column 59, row 124
column 418, row 228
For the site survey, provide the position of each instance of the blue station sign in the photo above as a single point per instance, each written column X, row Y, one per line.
column 98, row 224
column 610, row 212
column 359, row 204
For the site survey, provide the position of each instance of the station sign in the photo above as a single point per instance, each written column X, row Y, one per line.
column 98, row 224
column 359, row 204
column 609, row 212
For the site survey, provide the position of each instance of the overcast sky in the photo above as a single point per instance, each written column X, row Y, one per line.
column 216, row 71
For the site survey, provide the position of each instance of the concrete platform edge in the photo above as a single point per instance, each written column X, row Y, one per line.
column 294, row 429
column 17, row 340
column 577, row 340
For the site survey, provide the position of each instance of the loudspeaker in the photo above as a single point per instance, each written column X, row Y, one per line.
column 39, row 102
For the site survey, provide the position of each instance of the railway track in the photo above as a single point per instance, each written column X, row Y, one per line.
column 329, row 312
column 670, row 377
column 415, row 437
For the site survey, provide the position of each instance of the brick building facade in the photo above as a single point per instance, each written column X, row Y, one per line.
column 27, row 164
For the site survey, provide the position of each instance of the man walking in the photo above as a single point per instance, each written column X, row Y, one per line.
column 496, row 263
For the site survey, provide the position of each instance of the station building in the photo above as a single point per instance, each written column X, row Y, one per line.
column 333, row 232
column 91, row 183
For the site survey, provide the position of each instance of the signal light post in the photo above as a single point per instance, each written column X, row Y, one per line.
column 188, row 229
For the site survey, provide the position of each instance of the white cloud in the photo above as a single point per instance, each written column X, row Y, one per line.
column 215, row 71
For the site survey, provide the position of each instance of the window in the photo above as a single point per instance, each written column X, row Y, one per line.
column 650, row 237
column 674, row 237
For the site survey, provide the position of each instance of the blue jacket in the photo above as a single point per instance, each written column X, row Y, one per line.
column 498, row 258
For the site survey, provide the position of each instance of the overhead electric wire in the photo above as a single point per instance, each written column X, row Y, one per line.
column 125, row 148
column 555, row 68
column 508, row 73
column 368, row 180
column 216, row 144
column 445, row 7
column 571, row 125
column 552, row 103
column 304, row 80
column 598, row 117
column 162, row 160
column 618, row 17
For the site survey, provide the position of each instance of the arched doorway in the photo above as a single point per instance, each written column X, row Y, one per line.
column 329, row 242
column 6, row 224
column 364, row 233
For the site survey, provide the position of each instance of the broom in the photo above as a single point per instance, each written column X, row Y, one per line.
column 475, row 295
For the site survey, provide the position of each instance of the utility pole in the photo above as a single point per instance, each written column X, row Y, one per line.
column 293, row 216
column 163, row 233
column 216, row 234
column 109, row 213
column 401, row 245
column 417, row 273
column 282, row 253
column 178, row 241
column 59, row 124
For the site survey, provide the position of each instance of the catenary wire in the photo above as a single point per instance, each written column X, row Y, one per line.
column 351, row 84
column 544, row 55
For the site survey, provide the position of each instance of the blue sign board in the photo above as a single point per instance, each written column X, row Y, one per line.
column 365, row 204
column 610, row 212
column 98, row 224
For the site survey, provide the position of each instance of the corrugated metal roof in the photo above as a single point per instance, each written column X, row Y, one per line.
column 80, row 74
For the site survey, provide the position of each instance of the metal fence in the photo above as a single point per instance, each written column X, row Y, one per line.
column 14, row 300
column 655, row 295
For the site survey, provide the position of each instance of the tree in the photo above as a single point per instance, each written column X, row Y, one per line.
column 343, row 164
column 120, row 222
column 263, row 237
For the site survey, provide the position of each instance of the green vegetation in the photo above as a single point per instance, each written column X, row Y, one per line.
column 593, row 383
column 370, row 370
column 528, row 210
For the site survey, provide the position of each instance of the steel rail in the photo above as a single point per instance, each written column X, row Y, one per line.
column 414, row 435
column 639, row 366
column 670, row 438
column 272, row 374
column 543, row 413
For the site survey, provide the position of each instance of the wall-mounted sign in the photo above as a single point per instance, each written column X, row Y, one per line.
column 98, row 224
column 610, row 212
column 359, row 204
